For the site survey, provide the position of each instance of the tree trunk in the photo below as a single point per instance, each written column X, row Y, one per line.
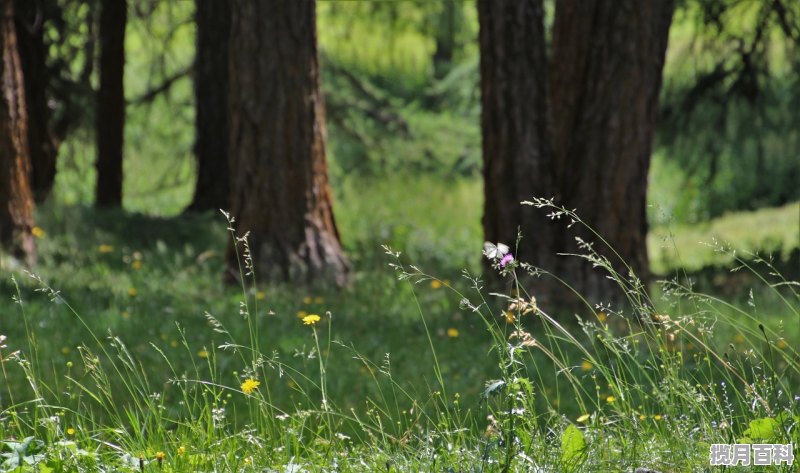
column 606, row 69
column 279, row 178
column 579, row 130
column 111, row 103
column 514, row 123
column 43, row 147
column 212, row 191
column 16, row 200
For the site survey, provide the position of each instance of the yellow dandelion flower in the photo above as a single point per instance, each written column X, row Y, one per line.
column 260, row 295
column 657, row 417
column 307, row 300
column 782, row 343
column 136, row 264
column 318, row 300
column 510, row 317
column 38, row 232
column 160, row 456
column 452, row 332
column 311, row 319
column 739, row 338
column 70, row 431
column 202, row 353
column 602, row 316
column 105, row 248
column 642, row 417
column 583, row 418
column 610, row 399
column 436, row 284
column 250, row 385
column 301, row 314
column 181, row 450
column 132, row 292
column 586, row 365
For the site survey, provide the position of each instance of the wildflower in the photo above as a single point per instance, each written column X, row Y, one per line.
column 136, row 264
column 181, row 450
column 642, row 417
column 586, row 365
column 307, row 300
column 506, row 259
column 782, row 343
column 318, row 300
column 173, row 344
column 260, row 295
column 657, row 417
column 250, row 385
column 452, row 332
column 70, row 431
column 510, row 317
column 602, row 316
column 105, row 248
column 202, row 353
column 301, row 314
column 583, row 418
column 311, row 319
column 38, row 232
column 160, row 458
column 739, row 338
column 436, row 284
column 132, row 292
column 125, row 314
column 610, row 399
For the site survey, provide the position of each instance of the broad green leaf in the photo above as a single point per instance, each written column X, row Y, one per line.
column 763, row 429
column 573, row 445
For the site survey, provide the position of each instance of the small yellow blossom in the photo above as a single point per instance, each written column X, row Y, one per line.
column 105, row 248
column 260, row 295
column 642, row 417
column 202, row 353
column 583, row 418
column 602, row 316
column 318, row 300
column 160, row 456
column 250, row 385
column 64, row 350
column 248, row 460
column 125, row 314
column 181, row 450
column 510, row 317
column 173, row 344
column 657, row 417
column 586, row 365
column 301, row 314
column 782, row 343
column 70, row 431
column 610, row 399
column 132, row 292
column 307, row 300
column 436, row 284
column 452, row 332
column 136, row 264
column 739, row 338
column 311, row 319
column 38, row 232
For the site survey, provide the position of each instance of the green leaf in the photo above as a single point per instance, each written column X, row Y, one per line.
column 573, row 445
column 763, row 429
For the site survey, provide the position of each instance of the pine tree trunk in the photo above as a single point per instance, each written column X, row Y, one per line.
column 43, row 146
column 212, row 191
column 606, row 70
column 111, row 103
column 16, row 200
column 516, row 149
column 277, row 144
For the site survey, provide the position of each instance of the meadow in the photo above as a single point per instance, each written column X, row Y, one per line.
column 124, row 351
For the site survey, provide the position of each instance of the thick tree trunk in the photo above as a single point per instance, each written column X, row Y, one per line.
column 43, row 147
column 111, row 103
column 212, row 192
column 579, row 130
column 514, row 123
column 279, row 182
column 16, row 200
column 606, row 69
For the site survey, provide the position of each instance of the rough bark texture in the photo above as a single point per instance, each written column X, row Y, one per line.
column 516, row 148
column 43, row 146
column 279, row 179
column 579, row 130
column 608, row 57
column 16, row 200
column 111, row 103
column 212, row 192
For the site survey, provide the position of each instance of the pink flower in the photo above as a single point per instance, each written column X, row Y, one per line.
column 506, row 259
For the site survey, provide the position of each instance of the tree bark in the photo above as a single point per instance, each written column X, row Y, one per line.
column 608, row 57
column 279, row 181
column 212, row 191
column 43, row 146
column 579, row 130
column 514, row 123
column 111, row 103
column 16, row 200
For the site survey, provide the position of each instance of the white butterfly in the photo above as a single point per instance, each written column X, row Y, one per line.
column 493, row 251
